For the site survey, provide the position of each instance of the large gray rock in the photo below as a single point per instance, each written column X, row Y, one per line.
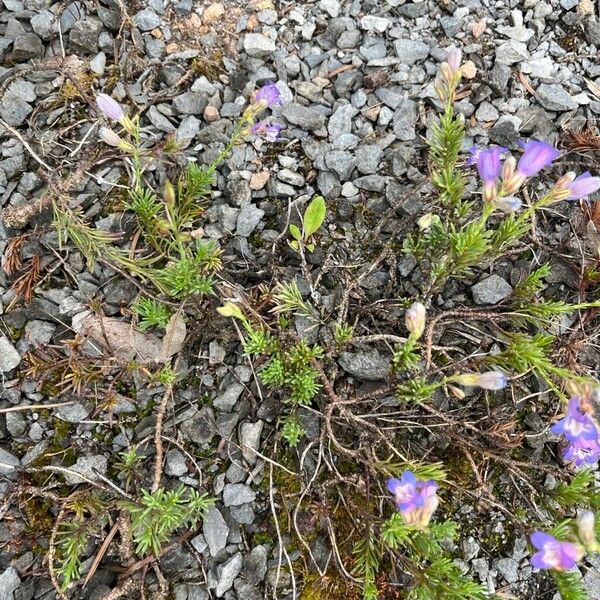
column 491, row 290
column 89, row 467
column 368, row 365
column 227, row 574
column 411, row 51
column 146, row 20
column 9, row 584
column 303, row 117
column 235, row 494
column 9, row 357
column 215, row 530
column 250, row 440
column 257, row 44
column 8, row 459
column 554, row 97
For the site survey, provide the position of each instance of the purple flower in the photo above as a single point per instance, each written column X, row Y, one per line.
column 405, row 491
column 577, row 425
column 269, row 132
column 553, row 554
column 269, row 94
column 582, row 452
column 415, row 499
column 414, row 318
column 582, row 186
column 109, row 106
column 487, row 162
column 536, row 157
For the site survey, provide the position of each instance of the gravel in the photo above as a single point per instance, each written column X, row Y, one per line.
column 235, row 494
column 215, row 531
column 9, row 584
column 555, row 97
column 367, row 365
column 9, row 356
column 491, row 290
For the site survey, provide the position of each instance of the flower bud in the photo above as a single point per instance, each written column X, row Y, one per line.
column 414, row 319
column 454, row 59
column 508, row 167
column 456, row 392
column 586, row 529
column 110, row 107
column 490, row 191
column 440, row 90
column 447, row 73
column 169, row 193
column 507, row 204
column 491, row 380
column 565, row 180
column 108, row 136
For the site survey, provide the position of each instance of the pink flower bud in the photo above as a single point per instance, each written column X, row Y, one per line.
column 108, row 136
column 414, row 319
column 110, row 107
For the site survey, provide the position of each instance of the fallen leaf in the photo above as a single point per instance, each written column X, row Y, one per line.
column 174, row 337
column 478, row 28
column 119, row 338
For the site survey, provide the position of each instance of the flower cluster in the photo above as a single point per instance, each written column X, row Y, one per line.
column 267, row 96
column 415, row 499
column 581, row 431
column 537, row 155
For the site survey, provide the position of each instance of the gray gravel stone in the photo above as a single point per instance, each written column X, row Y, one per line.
column 9, row 357
column 306, row 118
column 236, row 494
column 248, row 219
column 9, row 584
column 411, row 51
column 511, row 52
column 341, row 162
column 258, row 45
column 45, row 24
column 175, row 464
column 87, row 466
column 368, row 365
column 190, row 103
column 227, row 399
column 250, row 440
column 405, row 118
column 8, row 459
column 554, row 97
column 332, row 7
column 84, row 36
column 591, row 582
column 368, row 159
column 146, row 20
column 491, row 290
column 26, row 47
column 508, row 568
column 340, row 121
column 255, row 565
column 506, row 130
column 227, row 574
column 215, row 530
column 200, row 428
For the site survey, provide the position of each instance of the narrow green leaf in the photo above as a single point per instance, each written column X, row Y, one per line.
column 295, row 231
column 314, row 215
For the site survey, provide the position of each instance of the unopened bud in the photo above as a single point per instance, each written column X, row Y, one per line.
column 447, row 73
column 414, row 318
column 586, row 529
column 508, row 168
column 490, row 191
column 507, row 204
column 163, row 227
column 454, row 59
column 128, row 124
column 169, row 193
column 491, row 380
column 440, row 90
column 565, row 180
column 511, row 186
column 456, row 392
column 108, row 136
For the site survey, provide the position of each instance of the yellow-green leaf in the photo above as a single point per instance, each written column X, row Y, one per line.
column 295, row 231
column 314, row 215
